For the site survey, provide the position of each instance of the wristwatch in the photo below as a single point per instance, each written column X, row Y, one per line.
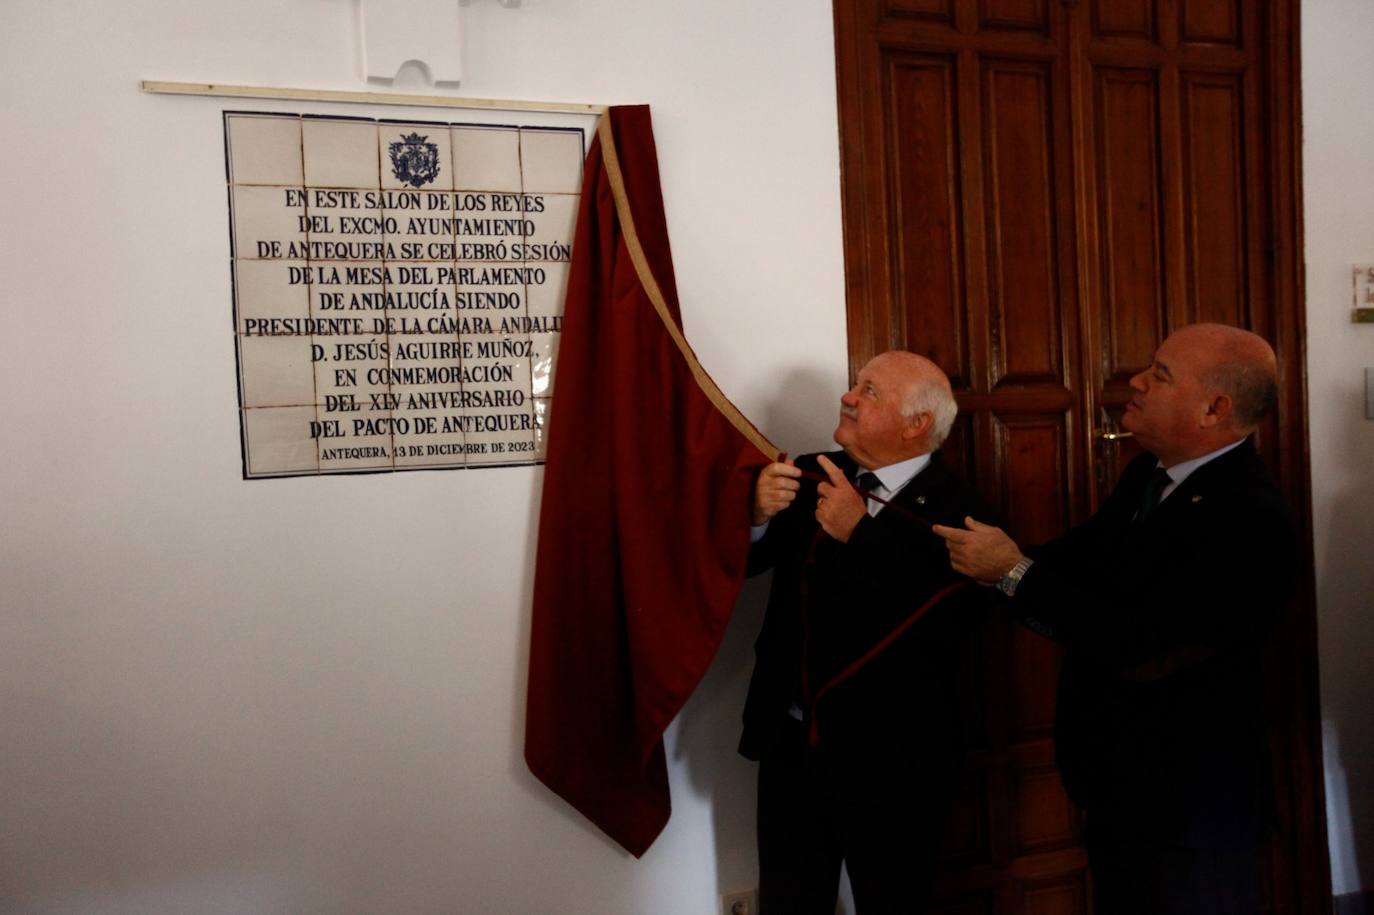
column 1013, row 578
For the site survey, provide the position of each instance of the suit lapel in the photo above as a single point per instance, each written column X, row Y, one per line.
column 913, row 495
column 1241, row 461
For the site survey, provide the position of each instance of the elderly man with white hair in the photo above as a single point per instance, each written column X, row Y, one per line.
column 852, row 712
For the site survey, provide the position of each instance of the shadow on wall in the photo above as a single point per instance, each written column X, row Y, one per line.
column 1345, row 859
column 520, row 668
column 708, row 736
column 800, row 417
column 707, row 731
column 1345, row 599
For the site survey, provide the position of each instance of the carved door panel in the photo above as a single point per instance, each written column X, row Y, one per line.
column 1035, row 193
column 1176, row 172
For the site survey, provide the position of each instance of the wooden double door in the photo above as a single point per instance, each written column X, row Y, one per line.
column 1036, row 192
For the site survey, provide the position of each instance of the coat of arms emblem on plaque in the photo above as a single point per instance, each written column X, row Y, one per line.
column 414, row 161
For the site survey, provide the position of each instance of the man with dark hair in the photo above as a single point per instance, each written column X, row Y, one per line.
column 1163, row 599
column 851, row 710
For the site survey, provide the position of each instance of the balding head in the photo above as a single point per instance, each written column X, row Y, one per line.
column 1209, row 385
column 901, row 406
column 1242, row 365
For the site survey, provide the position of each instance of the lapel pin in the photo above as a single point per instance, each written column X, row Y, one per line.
column 1197, row 499
column 920, row 500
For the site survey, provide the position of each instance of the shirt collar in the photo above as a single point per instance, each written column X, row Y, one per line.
column 1182, row 470
column 895, row 476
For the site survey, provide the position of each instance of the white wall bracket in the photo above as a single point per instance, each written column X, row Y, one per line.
column 423, row 32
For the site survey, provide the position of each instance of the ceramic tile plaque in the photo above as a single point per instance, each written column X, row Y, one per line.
column 398, row 289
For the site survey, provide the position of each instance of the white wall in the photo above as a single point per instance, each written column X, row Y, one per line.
column 307, row 695
column 1338, row 184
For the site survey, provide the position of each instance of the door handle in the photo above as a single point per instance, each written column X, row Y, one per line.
column 1107, row 437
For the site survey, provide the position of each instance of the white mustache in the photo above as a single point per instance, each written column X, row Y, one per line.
column 849, row 412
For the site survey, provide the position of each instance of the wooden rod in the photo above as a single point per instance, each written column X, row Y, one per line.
column 368, row 98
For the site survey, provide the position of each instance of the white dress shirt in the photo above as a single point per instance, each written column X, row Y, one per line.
column 894, row 477
column 1182, row 470
column 891, row 479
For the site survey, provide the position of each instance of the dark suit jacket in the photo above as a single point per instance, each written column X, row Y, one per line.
column 888, row 722
column 1160, row 726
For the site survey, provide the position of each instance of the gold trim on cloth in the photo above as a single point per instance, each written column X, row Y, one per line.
column 646, row 277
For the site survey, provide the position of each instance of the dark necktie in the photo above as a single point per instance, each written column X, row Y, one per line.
column 1149, row 499
column 866, row 482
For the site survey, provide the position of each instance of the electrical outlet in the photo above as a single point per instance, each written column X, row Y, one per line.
column 741, row 903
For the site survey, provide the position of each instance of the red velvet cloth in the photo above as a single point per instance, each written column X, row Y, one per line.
column 644, row 524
